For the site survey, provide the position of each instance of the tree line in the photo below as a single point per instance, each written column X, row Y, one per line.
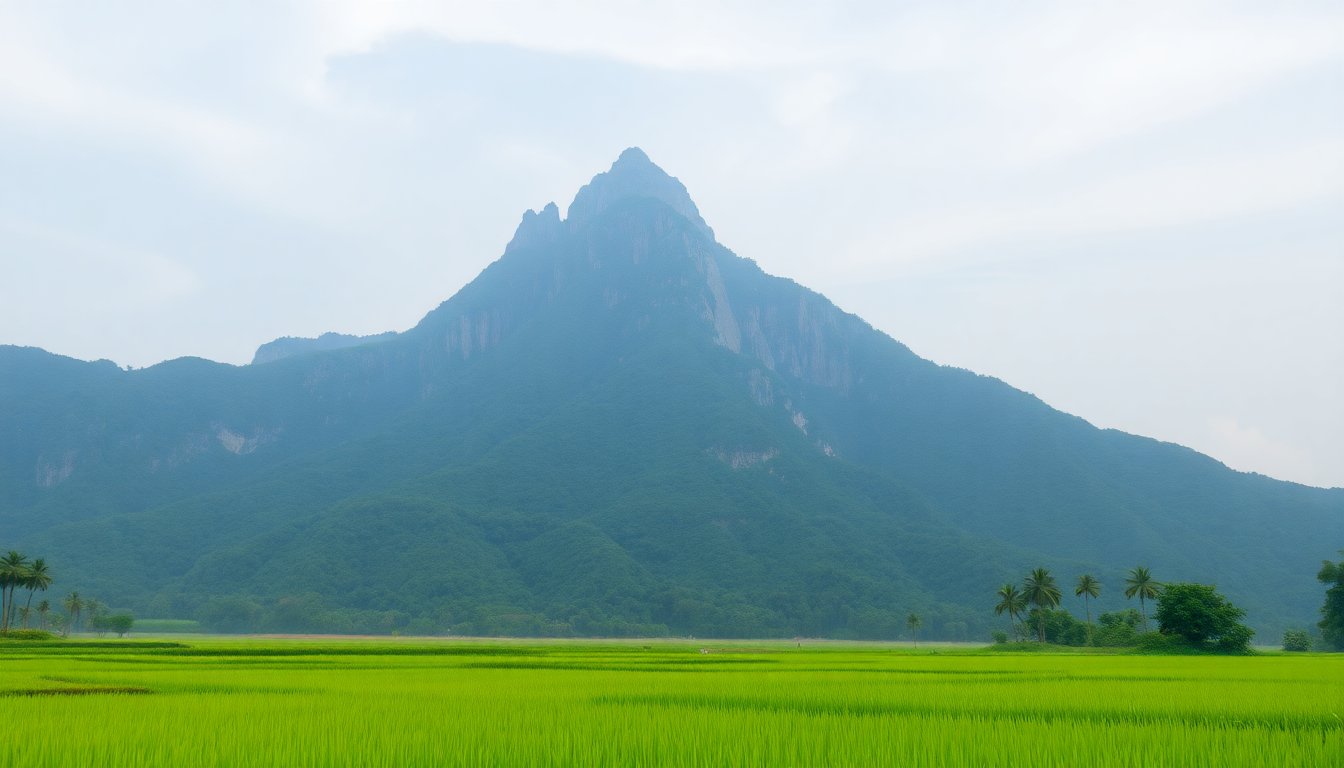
column 17, row 572
column 1193, row 614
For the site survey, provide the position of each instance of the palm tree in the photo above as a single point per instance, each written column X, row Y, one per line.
column 92, row 610
column 1039, row 589
column 73, row 605
column 43, row 608
column 1141, row 583
column 1011, row 602
column 1087, row 586
column 13, row 572
column 39, row 577
column 912, row 621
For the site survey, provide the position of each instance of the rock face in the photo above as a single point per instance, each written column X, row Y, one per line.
column 289, row 346
column 618, row 426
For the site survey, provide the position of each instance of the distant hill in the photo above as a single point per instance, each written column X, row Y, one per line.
column 290, row 346
column 619, row 427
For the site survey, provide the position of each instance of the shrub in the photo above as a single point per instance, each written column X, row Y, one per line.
column 27, row 634
column 1203, row 618
column 116, row 622
column 1000, row 637
column 1158, row 643
column 1118, row 629
column 1296, row 640
column 1061, row 628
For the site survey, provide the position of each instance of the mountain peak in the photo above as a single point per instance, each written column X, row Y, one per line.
column 634, row 175
column 633, row 156
column 537, row 228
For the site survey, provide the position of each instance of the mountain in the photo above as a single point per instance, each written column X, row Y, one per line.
column 619, row 427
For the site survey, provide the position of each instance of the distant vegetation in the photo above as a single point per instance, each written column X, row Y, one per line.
column 1191, row 617
column 17, row 572
column 1332, row 613
column 1296, row 640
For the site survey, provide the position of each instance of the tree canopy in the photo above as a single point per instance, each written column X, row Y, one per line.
column 1332, row 613
column 1204, row 618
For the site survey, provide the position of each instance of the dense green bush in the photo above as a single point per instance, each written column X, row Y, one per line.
column 27, row 634
column 1203, row 618
column 119, row 623
column 1296, row 640
column 1061, row 628
column 1117, row 629
column 1168, row 645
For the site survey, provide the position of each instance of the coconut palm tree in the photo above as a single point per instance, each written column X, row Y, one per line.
column 1040, row 590
column 913, row 622
column 39, row 577
column 13, row 572
column 92, row 610
column 43, row 608
column 1012, row 603
column 73, row 605
column 1141, row 583
column 1087, row 586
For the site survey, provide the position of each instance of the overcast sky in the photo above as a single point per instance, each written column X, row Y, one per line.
column 1135, row 212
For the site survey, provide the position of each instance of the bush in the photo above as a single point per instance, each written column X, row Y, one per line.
column 1118, row 629
column 1061, row 628
column 27, row 634
column 1000, row 637
column 1296, row 640
column 117, row 622
column 1203, row 618
column 1168, row 645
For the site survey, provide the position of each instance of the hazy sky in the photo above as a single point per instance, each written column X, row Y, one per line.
column 1134, row 211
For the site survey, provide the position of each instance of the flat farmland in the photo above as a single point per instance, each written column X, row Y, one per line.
column 324, row 702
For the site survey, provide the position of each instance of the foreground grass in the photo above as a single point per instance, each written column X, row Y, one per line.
column 296, row 702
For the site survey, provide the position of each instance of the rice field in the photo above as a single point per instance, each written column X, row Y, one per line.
column 294, row 702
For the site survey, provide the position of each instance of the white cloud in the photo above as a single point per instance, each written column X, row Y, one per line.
column 1081, row 76
column 1119, row 201
column 128, row 275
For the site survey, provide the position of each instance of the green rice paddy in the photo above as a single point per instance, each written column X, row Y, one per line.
column 206, row 702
